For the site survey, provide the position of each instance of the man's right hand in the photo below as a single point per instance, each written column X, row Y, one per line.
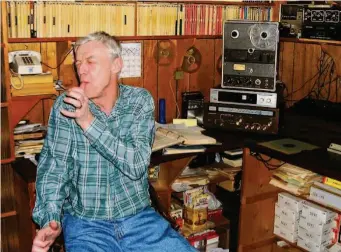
column 45, row 237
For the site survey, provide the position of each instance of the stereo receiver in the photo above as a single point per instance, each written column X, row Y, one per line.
column 241, row 118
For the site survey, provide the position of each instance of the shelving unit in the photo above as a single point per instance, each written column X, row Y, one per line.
column 259, row 197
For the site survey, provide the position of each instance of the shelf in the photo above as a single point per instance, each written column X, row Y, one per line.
column 4, row 104
column 8, row 214
column 294, row 245
column 222, row 2
column 26, row 103
column 120, row 38
column 310, row 41
column 7, row 161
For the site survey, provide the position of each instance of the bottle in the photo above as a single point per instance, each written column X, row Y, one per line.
column 162, row 111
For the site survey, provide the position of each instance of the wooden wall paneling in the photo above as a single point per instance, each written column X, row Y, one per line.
column 287, row 65
column 5, row 134
column 335, row 53
column 47, row 106
column 9, row 237
column 24, row 46
column 203, row 79
column 218, row 52
column 182, row 85
column 49, row 58
column 66, row 72
column 298, row 72
column 35, row 114
column 280, row 62
column 311, row 62
column 149, row 71
column 166, row 86
column 24, row 218
column 7, row 189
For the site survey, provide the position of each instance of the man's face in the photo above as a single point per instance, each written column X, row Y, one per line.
column 94, row 66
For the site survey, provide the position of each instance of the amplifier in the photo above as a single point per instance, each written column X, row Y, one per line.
column 241, row 97
column 321, row 22
column 241, row 118
column 249, row 55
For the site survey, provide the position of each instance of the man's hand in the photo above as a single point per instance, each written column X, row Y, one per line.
column 76, row 97
column 45, row 237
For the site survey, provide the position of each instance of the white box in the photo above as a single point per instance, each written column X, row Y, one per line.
column 317, row 213
column 282, row 222
column 317, row 228
column 326, row 198
column 285, row 234
column 318, row 238
column 311, row 246
column 287, row 213
column 286, row 200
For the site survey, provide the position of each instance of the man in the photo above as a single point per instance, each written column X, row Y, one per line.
column 92, row 179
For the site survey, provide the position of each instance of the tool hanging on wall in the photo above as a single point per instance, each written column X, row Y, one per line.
column 164, row 52
column 192, row 60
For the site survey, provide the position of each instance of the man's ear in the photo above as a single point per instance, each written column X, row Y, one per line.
column 117, row 65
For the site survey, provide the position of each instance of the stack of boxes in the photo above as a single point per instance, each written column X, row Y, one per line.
column 314, row 228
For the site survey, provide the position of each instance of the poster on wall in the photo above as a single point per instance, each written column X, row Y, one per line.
column 132, row 63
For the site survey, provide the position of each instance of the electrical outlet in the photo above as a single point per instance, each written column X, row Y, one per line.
column 179, row 75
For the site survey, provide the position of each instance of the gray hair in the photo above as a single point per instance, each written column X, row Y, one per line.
column 107, row 40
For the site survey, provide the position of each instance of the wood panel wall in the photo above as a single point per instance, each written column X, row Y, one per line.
column 298, row 69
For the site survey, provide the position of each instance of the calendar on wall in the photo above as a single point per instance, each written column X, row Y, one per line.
column 132, row 60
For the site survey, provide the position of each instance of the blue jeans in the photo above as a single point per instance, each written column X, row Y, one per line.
column 146, row 231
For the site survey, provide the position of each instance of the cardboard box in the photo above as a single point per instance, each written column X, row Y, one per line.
column 195, row 219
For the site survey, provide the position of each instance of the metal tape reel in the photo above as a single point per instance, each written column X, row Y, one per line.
column 192, row 60
column 164, row 52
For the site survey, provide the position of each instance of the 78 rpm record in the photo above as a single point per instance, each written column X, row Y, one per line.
column 164, row 52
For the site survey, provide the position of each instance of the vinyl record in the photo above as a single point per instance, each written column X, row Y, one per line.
column 192, row 60
column 164, row 52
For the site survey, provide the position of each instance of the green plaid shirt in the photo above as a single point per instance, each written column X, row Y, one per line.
column 99, row 174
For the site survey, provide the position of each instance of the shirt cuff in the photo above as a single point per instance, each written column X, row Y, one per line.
column 50, row 217
column 95, row 130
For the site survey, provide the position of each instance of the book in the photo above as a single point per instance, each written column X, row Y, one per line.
column 332, row 182
column 165, row 137
column 177, row 149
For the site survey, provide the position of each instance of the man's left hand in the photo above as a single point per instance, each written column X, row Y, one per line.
column 76, row 97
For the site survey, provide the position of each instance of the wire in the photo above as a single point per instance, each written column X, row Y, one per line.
column 174, row 97
column 20, row 79
column 57, row 67
column 266, row 161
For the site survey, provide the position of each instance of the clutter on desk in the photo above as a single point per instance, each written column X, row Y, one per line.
column 294, row 179
column 167, row 135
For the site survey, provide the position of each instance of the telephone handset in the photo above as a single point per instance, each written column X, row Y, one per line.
column 25, row 62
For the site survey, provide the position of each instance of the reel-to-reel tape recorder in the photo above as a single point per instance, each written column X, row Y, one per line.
column 250, row 55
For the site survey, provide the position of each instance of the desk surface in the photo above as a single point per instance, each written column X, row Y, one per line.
column 319, row 160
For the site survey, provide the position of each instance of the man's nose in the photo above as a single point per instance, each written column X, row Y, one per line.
column 82, row 68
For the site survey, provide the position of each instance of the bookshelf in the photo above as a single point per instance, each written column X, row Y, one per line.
column 259, row 197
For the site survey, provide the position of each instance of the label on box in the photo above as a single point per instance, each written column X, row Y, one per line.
column 317, row 213
column 286, row 213
column 285, row 234
column 291, row 226
column 286, row 200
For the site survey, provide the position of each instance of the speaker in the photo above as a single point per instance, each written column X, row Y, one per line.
column 250, row 55
column 193, row 106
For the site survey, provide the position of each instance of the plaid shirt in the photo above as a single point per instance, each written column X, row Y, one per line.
column 100, row 173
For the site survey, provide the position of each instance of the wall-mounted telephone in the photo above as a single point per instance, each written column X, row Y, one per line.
column 25, row 62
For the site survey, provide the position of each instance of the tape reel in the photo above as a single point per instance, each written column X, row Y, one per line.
column 192, row 60
column 164, row 52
